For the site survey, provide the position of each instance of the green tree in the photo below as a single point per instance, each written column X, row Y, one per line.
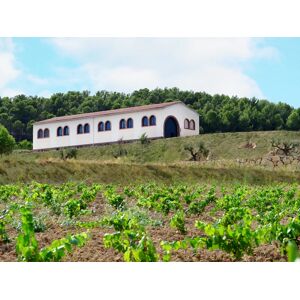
column 218, row 113
column 7, row 142
column 212, row 120
column 293, row 121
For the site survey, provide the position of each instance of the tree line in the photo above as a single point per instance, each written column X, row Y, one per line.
column 218, row 113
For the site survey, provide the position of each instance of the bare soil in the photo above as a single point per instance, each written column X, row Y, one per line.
column 94, row 250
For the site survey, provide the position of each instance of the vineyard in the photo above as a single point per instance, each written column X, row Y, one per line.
column 149, row 222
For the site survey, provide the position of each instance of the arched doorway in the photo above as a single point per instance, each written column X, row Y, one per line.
column 171, row 127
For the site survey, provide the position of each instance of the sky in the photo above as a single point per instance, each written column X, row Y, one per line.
column 266, row 68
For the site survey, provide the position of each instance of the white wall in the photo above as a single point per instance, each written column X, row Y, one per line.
column 179, row 111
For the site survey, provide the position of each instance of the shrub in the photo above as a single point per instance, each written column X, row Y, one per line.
column 144, row 139
column 178, row 222
column 7, row 142
column 120, row 151
column 68, row 153
column 27, row 247
column 71, row 153
column 26, row 145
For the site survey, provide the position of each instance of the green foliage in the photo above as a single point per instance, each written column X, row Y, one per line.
column 130, row 239
column 293, row 252
column 59, row 248
column 76, row 207
column 293, row 121
column 27, row 248
column 3, row 234
column 135, row 245
column 237, row 219
column 24, row 145
column 114, row 199
column 235, row 239
column 7, row 192
column 7, row 142
column 168, row 247
column 161, row 200
column 26, row 244
column 178, row 222
column 144, row 139
column 198, row 207
column 218, row 113
column 68, row 153
column 119, row 151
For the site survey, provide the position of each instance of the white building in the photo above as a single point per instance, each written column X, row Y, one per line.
column 155, row 120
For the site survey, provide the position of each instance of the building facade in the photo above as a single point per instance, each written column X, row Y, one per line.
column 169, row 119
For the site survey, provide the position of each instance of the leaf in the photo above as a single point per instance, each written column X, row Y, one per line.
column 292, row 251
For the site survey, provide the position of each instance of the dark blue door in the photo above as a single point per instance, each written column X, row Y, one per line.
column 171, row 128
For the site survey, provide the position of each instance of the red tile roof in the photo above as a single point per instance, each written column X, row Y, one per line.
column 108, row 112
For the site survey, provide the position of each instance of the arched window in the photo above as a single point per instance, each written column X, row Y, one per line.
column 40, row 134
column 66, row 130
column 122, row 124
column 152, row 121
column 59, row 131
column 46, row 133
column 145, row 121
column 192, row 125
column 129, row 123
column 107, row 125
column 100, row 126
column 186, row 124
column 79, row 129
column 86, row 128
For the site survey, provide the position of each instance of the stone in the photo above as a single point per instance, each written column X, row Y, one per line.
column 275, row 158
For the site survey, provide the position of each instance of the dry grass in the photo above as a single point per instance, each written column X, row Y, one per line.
column 162, row 160
column 57, row 171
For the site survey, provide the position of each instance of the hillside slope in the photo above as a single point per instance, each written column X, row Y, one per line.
column 226, row 146
column 163, row 160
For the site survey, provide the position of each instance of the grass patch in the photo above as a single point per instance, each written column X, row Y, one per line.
column 162, row 160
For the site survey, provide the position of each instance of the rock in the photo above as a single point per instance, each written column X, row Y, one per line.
column 259, row 161
column 267, row 163
column 275, row 158
column 279, row 164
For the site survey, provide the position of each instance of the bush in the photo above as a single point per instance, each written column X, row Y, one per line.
column 26, row 145
column 144, row 139
column 68, row 153
column 120, row 150
column 7, row 142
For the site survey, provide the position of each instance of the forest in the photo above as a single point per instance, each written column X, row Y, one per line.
column 218, row 113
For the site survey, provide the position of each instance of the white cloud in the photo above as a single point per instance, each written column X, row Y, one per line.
column 13, row 80
column 122, row 78
column 8, row 69
column 37, row 80
column 214, row 65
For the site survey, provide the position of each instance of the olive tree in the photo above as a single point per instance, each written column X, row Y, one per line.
column 197, row 152
column 286, row 147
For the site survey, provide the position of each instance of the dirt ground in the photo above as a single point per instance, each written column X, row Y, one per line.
column 94, row 250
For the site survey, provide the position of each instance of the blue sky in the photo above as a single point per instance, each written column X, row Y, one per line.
column 267, row 68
